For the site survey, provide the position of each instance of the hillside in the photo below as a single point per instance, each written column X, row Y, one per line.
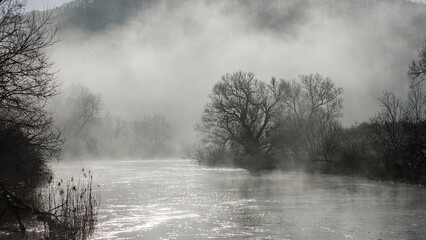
column 93, row 15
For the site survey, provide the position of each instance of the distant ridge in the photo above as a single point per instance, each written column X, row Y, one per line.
column 94, row 15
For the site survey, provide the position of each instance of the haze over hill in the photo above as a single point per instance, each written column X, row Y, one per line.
column 203, row 119
column 149, row 57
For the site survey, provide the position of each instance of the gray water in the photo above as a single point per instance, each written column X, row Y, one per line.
column 176, row 199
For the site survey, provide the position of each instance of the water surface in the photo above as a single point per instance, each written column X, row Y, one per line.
column 176, row 199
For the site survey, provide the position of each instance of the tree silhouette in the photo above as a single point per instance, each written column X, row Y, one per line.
column 243, row 115
column 27, row 136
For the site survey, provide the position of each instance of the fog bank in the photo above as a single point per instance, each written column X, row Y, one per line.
column 165, row 59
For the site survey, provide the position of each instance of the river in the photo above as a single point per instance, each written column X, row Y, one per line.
column 177, row 199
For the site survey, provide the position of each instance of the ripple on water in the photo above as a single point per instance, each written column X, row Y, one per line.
column 176, row 199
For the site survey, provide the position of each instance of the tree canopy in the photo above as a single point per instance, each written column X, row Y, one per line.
column 242, row 114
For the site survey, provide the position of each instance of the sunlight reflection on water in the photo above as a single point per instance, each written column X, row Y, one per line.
column 175, row 199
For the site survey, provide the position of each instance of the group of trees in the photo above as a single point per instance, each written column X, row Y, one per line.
column 90, row 132
column 31, row 136
column 282, row 15
column 400, row 128
column 28, row 138
column 255, row 124
column 96, row 15
column 294, row 124
column 242, row 116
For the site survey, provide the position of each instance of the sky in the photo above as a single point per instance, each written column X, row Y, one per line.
column 167, row 59
column 41, row 4
column 154, row 64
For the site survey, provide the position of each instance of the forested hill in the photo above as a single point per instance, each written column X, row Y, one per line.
column 94, row 15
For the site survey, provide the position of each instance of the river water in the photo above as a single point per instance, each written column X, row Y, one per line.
column 177, row 199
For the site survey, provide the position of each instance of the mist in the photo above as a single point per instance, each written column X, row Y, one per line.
column 243, row 119
column 165, row 59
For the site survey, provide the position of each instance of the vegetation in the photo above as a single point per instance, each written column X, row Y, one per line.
column 73, row 206
column 242, row 116
column 91, row 132
column 284, row 16
column 283, row 124
column 91, row 15
column 259, row 123
column 295, row 124
column 28, row 136
column 400, row 129
column 28, row 139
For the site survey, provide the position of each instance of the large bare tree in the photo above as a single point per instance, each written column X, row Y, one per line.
column 27, row 136
column 243, row 114
column 26, row 79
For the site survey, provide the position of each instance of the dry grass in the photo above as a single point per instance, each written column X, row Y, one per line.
column 72, row 206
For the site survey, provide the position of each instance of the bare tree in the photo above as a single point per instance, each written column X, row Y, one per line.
column 415, row 117
column 82, row 108
column 26, row 82
column 399, row 129
column 415, row 110
column 417, row 69
column 243, row 114
column 387, row 125
column 315, row 104
column 28, row 138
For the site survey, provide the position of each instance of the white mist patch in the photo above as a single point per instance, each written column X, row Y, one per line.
column 166, row 60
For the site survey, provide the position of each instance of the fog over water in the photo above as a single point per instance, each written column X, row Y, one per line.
column 176, row 199
column 166, row 58
column 144, row 120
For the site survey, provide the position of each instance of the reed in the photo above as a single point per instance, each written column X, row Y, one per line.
column 72, row 206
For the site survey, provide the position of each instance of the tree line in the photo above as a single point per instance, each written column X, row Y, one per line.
column 92, row 132
column 296, row 125
column 29, row 138
column 31, row 135
column 267, row 15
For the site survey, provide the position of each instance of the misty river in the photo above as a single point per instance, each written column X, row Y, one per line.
column 177, row 199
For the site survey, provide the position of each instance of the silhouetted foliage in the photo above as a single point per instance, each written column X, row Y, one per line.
column 400, row 129
column 355, row 152
column 280, row 124
column 313, row 106
column 243, row 116
column 28, row 138
column 417, row 69
column 26, row 84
